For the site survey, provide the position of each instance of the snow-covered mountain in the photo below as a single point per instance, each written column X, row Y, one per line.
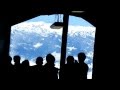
column 33, row 39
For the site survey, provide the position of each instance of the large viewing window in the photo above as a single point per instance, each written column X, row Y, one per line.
column 34, row 37
column 81, row 36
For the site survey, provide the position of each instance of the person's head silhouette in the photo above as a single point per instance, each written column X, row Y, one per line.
column 81, row 57
column 70, row 60
column 25, row 63
column 39, row 61
column 9, row 59
column 17, row 59
column 50, row 59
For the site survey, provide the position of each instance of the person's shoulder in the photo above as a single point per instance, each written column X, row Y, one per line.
column 85, row 64
column 45, row 66
column 56, row 68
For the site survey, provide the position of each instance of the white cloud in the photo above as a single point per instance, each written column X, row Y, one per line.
column 37, row 45
column 42, row 39
column 86, row 60
column 56, row 55
column 57, row 65
column 44, row 60
column 32, row 63
column 41, row 28
column 57, row 46
column 44, row 29
column 12, row 62
column 84, row 31
column 90, row 65
column 68, row 52
column 12, row 46
column 25, row 48
column 56, row 35
column 90, row 54
column 71, row 48
column 75, row 57
column 89, row 75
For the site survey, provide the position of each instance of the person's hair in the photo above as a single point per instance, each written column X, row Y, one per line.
column 25, row 62
column 39, row 60
column 16, row 58
column 50, row 58
column 81, row 56
column 70, row 59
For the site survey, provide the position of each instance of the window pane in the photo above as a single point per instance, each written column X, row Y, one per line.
column 34, row 38
column 81, row 35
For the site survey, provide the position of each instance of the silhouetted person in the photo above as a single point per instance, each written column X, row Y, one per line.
column 25, row 66
column 17, row 65
column 50, row 72
column 83, row 67
column 9, row 64
column 38, row 68
column 69, row 69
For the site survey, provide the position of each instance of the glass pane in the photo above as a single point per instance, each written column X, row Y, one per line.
column 34, row 38
column 81, row 35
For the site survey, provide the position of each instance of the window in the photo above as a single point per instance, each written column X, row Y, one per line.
column 81, row 35
column 34, row 38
